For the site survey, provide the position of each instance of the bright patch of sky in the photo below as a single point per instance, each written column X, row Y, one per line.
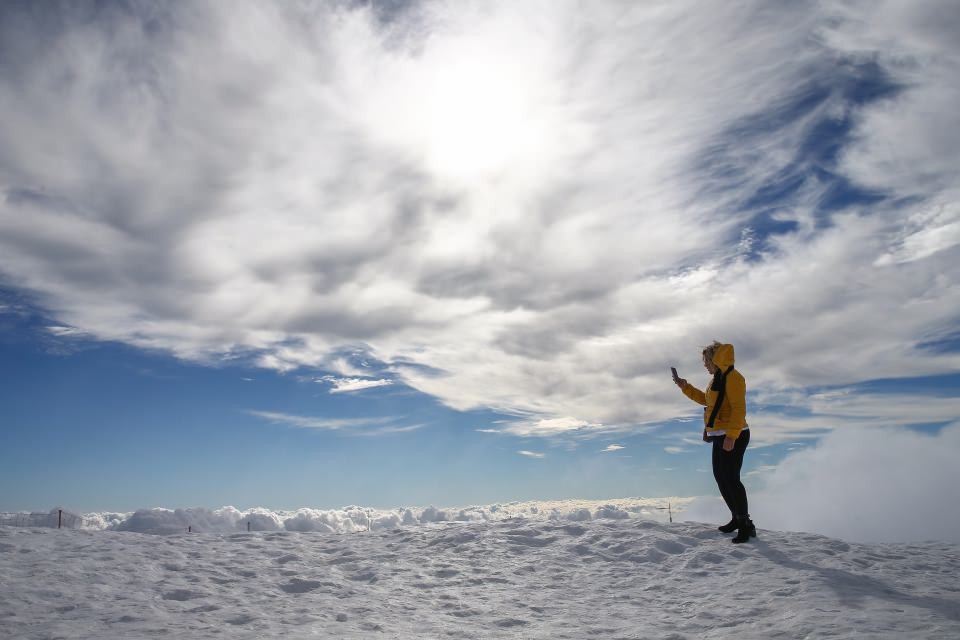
column 463, row 231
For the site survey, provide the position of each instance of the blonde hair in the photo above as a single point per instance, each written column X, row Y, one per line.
column 709, row 350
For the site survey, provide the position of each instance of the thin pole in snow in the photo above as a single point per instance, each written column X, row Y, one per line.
column 59, row 518
column 670, row 512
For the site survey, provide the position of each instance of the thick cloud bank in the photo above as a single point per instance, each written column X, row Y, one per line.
column 351, row 519
column 868, row 485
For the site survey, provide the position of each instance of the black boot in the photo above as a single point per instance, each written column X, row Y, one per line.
column 745, row 530
column 730, row 527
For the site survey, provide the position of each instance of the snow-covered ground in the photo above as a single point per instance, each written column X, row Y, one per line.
column 519, row 577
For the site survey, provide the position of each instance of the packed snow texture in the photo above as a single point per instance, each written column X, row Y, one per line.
column 551, row 578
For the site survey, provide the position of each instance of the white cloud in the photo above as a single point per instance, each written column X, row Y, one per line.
column 484, row 199
column 848, row 409
column 382, row 431
column 347, row 367
column 675, row 450
column 355, row 519
column 327, row 424
column 64, row 332
column 345, row 385
column 532, row 454
column 904, row 143
column 545, row 427
column 612, row 447
column 924, row 234
column 763, row 470
column 868, row 484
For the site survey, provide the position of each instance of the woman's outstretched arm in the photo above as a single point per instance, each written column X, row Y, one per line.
column 692, row 392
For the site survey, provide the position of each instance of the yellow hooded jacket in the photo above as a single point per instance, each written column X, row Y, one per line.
column 732, row 416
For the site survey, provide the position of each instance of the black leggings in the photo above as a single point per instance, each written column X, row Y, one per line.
column 726, row 470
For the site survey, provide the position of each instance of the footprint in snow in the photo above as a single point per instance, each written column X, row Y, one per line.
column 704, row 558
column 491, row 580
column 366, row 576
column 530, row 541
column 346, row 560
column 129, row 619
column 668, row 546
column 290, row 557
column 511, row 622
column 243, row 618
column 240, row 537
column 297, row 585
column 573, row 530
column 207, row 608
column 182, row 595
column 650, row 555
column 455, row 539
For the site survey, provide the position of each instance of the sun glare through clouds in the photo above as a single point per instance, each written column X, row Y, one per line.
column 479, row 114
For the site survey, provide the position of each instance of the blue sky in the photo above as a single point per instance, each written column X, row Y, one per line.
column 101, row 425
column 446, row 252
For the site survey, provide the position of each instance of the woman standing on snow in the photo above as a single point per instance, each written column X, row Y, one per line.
column 725, row 425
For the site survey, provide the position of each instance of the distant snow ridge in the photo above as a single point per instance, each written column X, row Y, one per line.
column 353, row 519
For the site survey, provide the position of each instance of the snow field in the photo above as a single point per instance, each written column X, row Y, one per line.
column 624, row 578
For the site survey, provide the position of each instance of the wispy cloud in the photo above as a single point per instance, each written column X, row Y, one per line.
column 821, row 413
column 389, row 430
column 532, row 454
column 346, row 385
column 762, row 470
column 611, row 448
column 545, row 427
column 327, row 424
column 65, row 332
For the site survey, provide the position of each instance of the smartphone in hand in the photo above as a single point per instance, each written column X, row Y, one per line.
column 673, row 370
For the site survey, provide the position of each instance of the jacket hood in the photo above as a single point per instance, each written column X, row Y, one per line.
column 723, row 356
